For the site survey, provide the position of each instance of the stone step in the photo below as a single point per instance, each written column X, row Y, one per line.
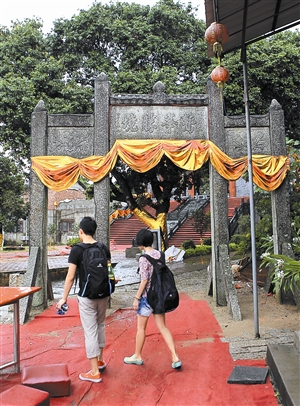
column 284, row 365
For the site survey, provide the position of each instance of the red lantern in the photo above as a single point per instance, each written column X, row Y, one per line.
column 216, row 33
column 220, row 75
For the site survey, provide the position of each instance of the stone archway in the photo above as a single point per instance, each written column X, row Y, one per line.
column 154, row 116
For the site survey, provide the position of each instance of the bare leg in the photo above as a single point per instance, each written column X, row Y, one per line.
column 142, row 322
column 167, row 336
column 100, row 357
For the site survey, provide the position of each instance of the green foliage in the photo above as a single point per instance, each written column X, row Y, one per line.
column 244, row 224
column 188, row 244
column 28, row 64
column 198, row 251
column 245, row 245
column 237, row 238
column 285, row 271
column 201, row 221
column 241, row 242
column 294, row 178
column 273, row 73
column 12, row 204
column 135, row 46
column 233, row 246
column 207, row 241
column 72, row 241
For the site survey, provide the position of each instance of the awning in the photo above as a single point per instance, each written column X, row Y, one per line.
column 248, row 21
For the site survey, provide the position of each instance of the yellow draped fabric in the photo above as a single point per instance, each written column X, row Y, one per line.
column 158, row 223
column 119, row 213
column 61, row 172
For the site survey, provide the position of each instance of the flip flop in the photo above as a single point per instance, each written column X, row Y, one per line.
column 176, row 365
column 133, row 360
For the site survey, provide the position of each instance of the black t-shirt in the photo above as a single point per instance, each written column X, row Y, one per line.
column 76, row 258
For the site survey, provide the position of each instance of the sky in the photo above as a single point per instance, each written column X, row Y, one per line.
column 50, row 10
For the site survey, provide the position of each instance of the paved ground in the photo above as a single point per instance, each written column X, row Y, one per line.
column 277, row 322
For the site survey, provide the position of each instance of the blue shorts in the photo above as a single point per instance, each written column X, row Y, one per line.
column 144, row 308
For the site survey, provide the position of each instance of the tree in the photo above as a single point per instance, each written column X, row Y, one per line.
column 12, row 197
column 135, row 46
column 201, row 221
column 274, row 73
column 29, row 73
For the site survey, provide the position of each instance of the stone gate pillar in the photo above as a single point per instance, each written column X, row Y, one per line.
column 282, row 233
column 37, row 275
column 218, row 194
column 101, row 147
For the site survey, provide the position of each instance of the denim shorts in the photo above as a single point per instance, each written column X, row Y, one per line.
column 144, row 308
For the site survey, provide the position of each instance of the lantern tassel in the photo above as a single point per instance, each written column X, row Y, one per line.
column 217, row 48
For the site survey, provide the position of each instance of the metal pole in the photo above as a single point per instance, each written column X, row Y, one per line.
column 17, row 336
column 252, row 212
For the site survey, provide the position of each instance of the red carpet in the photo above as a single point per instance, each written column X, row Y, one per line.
column 202, row 380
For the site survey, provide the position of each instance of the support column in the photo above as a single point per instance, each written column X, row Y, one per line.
column 101, row 147
column 38, row 220
column 218, row 195
column 280, row 199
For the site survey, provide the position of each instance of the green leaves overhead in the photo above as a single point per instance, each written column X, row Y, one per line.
column 130, row 38
column 12, row 196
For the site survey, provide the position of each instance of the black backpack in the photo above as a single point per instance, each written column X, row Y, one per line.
column 97, row 284
column 163, row 295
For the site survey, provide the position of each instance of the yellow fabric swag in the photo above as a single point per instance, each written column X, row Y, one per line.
column 61, row 172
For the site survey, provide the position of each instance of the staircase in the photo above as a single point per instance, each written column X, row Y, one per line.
column 187, row 232
column 124, row 230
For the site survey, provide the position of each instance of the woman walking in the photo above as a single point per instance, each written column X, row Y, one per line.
column 144, row 240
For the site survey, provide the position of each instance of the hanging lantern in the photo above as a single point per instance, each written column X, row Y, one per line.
column 220, row 75
column 216, row 35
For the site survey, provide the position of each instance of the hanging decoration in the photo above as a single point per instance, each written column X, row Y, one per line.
column 61, row 172
column 216, row 35
column 220, row 75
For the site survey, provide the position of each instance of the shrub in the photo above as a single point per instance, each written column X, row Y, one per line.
column 233, row 246
column 72, row 241
column 188, row 244
column 198, row 251
column 242, row 243
column 237, row 238
column 207, row 241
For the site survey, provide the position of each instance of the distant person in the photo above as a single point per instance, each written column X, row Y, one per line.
column 92, row 311
column 144, row 240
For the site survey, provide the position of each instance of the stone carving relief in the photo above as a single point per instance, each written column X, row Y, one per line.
column 236, row 141
column 75, row 142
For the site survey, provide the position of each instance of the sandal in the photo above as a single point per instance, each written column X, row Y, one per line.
column 133, row 360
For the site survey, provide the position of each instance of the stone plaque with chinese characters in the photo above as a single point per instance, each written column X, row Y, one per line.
column 158, row 122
